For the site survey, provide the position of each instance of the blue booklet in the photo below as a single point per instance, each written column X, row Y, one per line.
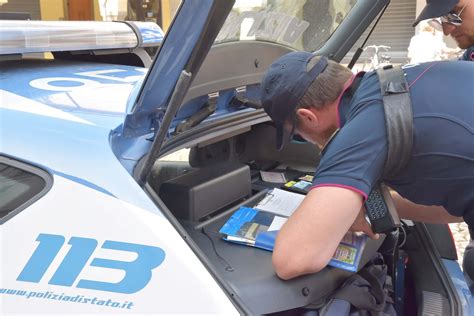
column 251, row 227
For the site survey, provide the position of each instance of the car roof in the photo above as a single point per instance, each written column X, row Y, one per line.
column 66, row 132
column 94, row 92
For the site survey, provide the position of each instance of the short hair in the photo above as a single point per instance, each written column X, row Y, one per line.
column 327, row 87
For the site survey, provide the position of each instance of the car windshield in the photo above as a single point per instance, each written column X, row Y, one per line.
column 300, row 24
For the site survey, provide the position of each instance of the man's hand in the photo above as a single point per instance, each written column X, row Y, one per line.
column 361, row 225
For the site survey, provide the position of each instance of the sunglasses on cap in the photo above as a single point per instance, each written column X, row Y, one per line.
column 450, row 18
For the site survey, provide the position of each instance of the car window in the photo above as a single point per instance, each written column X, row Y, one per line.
column 20, row 185
column 300, row 24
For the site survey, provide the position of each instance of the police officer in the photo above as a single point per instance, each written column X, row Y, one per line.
column 457, row 19
column 315, row 98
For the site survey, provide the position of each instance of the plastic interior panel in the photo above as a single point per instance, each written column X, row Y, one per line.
column 250, row 273
column 234, row 64
column 193, row 195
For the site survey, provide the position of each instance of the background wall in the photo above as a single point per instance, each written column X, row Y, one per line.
column 52, row 9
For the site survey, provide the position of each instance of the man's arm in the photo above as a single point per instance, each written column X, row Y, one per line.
column 422, row 213
column 309, row 238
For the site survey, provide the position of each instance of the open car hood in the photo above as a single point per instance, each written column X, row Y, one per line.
column 215, row 50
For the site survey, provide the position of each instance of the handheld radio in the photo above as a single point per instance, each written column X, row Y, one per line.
column 381, row 210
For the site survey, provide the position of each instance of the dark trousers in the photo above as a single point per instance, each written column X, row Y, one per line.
column 468, row 260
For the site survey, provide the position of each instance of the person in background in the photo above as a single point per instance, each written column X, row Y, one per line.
column 455, row 18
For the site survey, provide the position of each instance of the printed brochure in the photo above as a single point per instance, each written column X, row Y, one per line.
column 256, row 228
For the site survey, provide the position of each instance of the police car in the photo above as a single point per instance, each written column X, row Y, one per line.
column 97, row 213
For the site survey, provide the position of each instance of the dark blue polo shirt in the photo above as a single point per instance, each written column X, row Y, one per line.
column 441, row 167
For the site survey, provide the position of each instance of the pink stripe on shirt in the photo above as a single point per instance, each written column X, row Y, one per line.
column 340, row 186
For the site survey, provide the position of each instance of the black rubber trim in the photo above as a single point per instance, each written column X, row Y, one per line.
column 47, row 177
column 427, row 243
column 243, row 119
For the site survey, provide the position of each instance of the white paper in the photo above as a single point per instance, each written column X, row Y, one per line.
column 273, row 177
column 280, row 202
column 277, row 223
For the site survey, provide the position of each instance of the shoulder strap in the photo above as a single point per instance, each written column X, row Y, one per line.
column 398, row 118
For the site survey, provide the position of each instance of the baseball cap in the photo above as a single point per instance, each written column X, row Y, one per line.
column 435, row 9
column 283, row 86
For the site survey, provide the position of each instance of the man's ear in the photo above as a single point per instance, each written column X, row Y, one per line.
column 308, row 116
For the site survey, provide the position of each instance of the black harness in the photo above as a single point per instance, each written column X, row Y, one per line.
column 398, row 118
